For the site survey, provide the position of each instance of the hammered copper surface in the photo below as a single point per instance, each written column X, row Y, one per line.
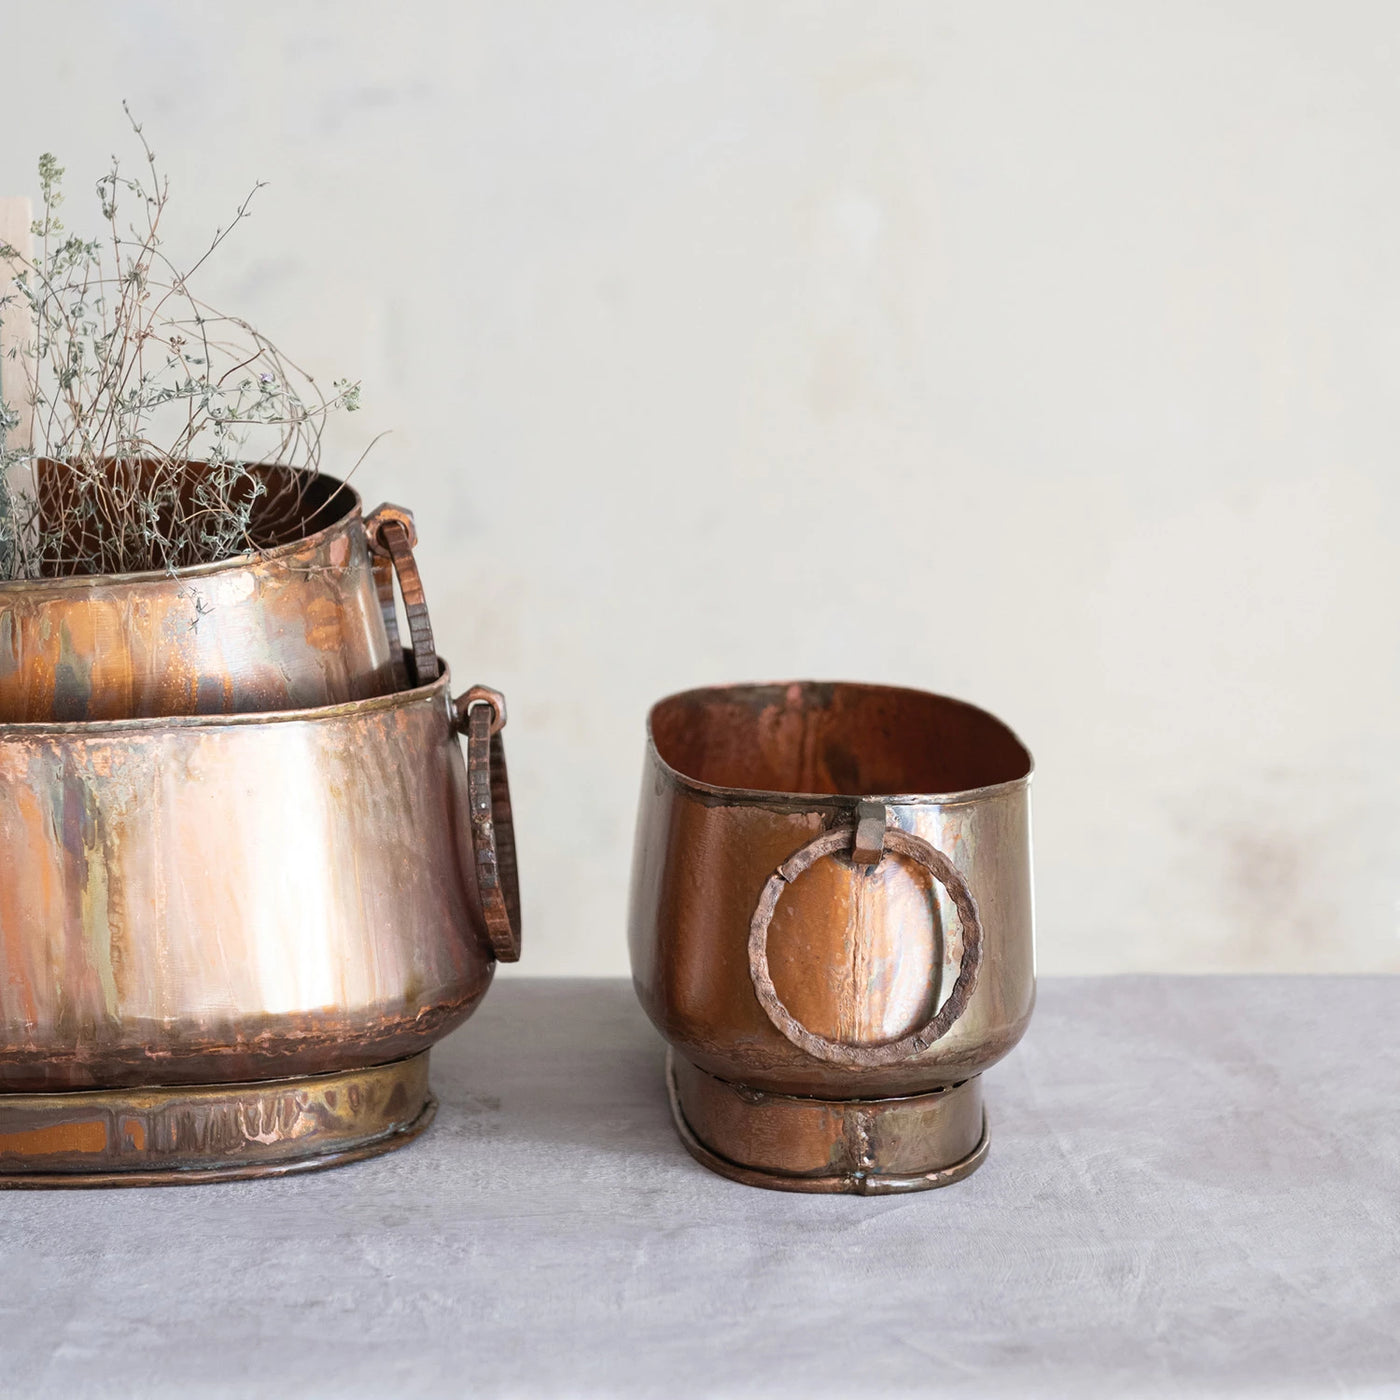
column 866, row 957
column 229, row 898
column 187, row 1134
column 392, row 539
column 297, row 625
column 482, row 712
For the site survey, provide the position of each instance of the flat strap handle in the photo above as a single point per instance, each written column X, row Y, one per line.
column 392, row 536
column 482, row 713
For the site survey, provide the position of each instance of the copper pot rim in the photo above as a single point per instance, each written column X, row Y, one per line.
column 435, row 691
column 273, row 555
column 713, row 794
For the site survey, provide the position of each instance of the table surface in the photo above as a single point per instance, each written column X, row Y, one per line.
column 1193, row 1188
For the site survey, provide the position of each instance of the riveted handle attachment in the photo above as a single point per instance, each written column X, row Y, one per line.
column 481, row 712
column 392, row 535
column 869, row 839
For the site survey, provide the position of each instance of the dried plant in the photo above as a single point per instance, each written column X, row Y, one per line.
column 158, row 422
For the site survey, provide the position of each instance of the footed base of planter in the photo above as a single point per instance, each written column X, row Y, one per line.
column 182, row 1135
column 861, row 1147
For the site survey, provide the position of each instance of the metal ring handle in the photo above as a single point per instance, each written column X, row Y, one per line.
column 392, row 535
column 482, row 713
column 838, row 1052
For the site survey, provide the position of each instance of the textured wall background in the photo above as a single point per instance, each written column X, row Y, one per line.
column 1044, row 355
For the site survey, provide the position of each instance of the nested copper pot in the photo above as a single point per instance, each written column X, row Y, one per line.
column 307, row 621
column 831, row 925
column 227, row 942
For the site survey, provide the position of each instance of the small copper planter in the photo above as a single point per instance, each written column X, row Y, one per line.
column 227, row 942
column 306, row 622
column 831, row 925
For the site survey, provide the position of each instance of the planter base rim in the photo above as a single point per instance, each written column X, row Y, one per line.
column 188, row 1135
column 870, row 1141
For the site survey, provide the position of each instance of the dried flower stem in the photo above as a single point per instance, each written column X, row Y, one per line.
column 154, row 414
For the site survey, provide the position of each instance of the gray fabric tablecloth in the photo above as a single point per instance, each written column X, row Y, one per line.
column 1193, row 1189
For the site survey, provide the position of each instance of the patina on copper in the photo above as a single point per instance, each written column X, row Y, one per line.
column 295, row 625
column 242, row 858
column 867, row 1147
column 393, row 538
column 914, row 848
column 221, row 1132
column 237, row 897
column 831, row 924
column 482, row 713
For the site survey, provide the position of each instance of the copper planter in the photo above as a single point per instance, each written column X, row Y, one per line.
column 831, row 925
column 226, row 942
column 302, row 623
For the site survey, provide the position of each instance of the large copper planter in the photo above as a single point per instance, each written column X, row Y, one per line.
column 226, row 942
column 302, row 623
column 831, row 925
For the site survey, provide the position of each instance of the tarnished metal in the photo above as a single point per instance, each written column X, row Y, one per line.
column 483, row 713
column 237, row 848
column 392, row 538
column 182, row 1135
column 938, row 1024
column 297, row 625
column 866, row 1147
column 235, row 898
column 831, row 923
column 872, row 821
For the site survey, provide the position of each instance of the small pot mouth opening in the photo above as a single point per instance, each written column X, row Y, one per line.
column 834, row 739
column 295, row 509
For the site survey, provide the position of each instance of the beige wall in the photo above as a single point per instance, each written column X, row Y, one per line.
column 1042, row 354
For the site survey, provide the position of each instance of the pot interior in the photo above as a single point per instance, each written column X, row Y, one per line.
column 835, row 739
column 292, row 505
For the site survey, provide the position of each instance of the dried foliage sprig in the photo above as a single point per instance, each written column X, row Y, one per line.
column 154, row 415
